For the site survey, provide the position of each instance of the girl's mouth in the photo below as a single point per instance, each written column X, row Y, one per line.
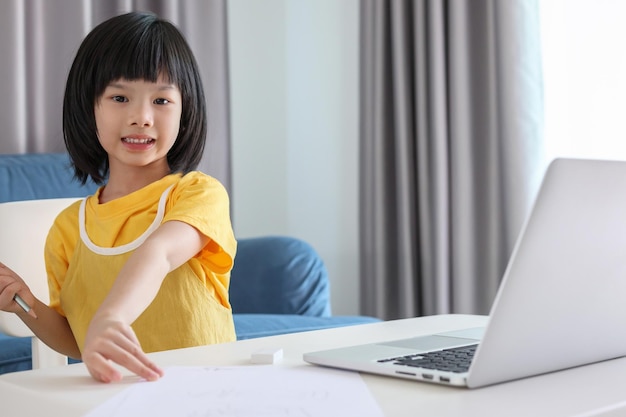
column 138, row 141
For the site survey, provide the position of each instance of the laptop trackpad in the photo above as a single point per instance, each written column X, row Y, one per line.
column 432, row 342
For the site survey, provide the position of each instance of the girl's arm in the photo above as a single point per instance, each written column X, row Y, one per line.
column 49, row 326
column 109, row 336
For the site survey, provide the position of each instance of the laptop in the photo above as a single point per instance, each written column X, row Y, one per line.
column 561, row 302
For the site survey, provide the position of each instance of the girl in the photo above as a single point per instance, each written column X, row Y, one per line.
column 144, row 264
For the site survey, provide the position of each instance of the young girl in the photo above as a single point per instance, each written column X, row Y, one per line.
column 144, row 264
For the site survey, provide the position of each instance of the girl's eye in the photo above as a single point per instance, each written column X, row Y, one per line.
column 161, row 101
column 119, row 99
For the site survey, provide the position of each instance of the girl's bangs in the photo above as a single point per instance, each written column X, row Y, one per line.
column 143, row 59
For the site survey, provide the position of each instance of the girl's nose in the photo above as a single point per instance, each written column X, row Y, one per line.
column 141, row 115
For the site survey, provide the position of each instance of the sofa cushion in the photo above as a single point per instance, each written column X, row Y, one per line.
column 15, row 354
column 249, row 326
column 279, row 275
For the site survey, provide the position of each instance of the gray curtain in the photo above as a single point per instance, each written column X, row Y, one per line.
column 451, row 153
column 38, row 40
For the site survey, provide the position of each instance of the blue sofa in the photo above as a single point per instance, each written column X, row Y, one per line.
column 278, row 284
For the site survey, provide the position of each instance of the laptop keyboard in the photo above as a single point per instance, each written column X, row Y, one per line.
column 453, row 360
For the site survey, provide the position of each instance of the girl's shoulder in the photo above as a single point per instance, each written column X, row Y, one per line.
column 64, row 231
column 198, row 177
column 69, row 214
column 198, row 182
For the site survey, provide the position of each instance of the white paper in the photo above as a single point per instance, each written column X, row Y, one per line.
column 245, row 391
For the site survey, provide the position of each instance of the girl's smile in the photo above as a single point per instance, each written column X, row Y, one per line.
column 138, row 142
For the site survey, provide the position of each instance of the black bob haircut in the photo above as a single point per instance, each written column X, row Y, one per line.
column 132, row 46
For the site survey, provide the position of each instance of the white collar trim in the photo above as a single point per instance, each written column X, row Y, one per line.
column 118, row 250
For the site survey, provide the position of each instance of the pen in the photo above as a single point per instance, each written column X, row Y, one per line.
column 24, row 306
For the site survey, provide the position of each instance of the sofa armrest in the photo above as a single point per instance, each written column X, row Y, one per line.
column 279, row 275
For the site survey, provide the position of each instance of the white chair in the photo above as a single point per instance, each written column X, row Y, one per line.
column 24, row 226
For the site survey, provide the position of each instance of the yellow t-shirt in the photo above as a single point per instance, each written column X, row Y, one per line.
column 191, row 307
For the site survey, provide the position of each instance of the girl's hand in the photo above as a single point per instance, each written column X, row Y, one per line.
column 11, row 284
column 109, row 341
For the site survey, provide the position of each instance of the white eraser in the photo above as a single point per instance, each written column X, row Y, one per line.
column 267, row 355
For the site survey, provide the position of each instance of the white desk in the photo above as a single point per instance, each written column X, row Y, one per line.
column 597, row 389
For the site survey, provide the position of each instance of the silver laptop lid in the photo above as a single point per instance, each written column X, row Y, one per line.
column 562, row 300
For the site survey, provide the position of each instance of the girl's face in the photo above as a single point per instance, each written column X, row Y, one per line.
column 138, row 122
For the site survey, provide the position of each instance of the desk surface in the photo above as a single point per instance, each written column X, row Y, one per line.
column 585, row 391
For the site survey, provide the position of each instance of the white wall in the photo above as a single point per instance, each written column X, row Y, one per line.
column 294, row 110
